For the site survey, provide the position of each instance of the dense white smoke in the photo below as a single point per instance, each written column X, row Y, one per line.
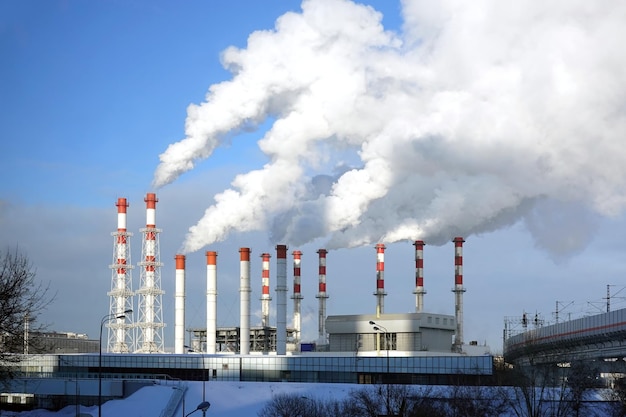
column 458, row 124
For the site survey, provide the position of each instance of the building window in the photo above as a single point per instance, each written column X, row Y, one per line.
column 389, row 341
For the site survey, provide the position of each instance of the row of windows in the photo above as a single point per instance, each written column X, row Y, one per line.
column 433, row 364
column 50, row 362
column 445, row 320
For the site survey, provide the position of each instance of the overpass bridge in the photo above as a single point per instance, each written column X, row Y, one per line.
column 600, row 337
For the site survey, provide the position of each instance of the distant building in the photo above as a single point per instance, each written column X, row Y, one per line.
column 61, row 342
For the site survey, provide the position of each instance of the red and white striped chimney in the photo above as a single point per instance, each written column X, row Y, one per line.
column 380, row 279
column 122, row 241
column 150, row 305
column 150, row 239
column 322, row 296
column 281, row 299
column 244, row 301
column 419, row 276
column 265, row 290
column 297, row 295
column 211, row 301
column 121, row 285
column 179, row 305
column 458, row 292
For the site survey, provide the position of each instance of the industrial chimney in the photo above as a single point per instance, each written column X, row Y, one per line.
column 244, row 301
column 211, row 301
column 322, row 296
column 179, row 305
column 297, row 295
column 265, row 289
column 419, row 276
column 120, row 340
column 380, row 279
column 281, row 299
column 150, row 321
column 458, row 292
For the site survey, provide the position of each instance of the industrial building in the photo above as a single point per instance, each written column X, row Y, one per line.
column 59, row 342
column 417, row 332
column 419, row 347
column 410, row 332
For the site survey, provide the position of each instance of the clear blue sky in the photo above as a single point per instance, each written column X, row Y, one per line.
column 91, row 93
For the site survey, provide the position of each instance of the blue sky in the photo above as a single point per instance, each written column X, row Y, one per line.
column 92, row 93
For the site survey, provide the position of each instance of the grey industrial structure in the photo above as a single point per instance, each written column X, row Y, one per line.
column 410, row 332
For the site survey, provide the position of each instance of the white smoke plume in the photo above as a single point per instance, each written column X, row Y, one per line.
column 457, row 124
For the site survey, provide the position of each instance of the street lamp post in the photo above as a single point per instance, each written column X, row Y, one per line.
column 204, row 405
column 383, row 330
column 104, row 320
column 385, row 333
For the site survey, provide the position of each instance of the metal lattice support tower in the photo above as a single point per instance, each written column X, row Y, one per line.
column 120, row 335
column 150, row 322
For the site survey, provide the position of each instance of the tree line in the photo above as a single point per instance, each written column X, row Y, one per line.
column 540, row 391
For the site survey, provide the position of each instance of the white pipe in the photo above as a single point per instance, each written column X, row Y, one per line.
column 281, row 299
column 211, row 301
column 244, row 301
column 179, row 306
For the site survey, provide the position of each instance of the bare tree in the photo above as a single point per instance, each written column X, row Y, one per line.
column 616, row 399
column 581, row 378
column 527, row 395
column 293, row 405
column 550, row 389
column 393, row 400
column 22, row 299
column 426, row 403
column 283, row 405
column 479, row 401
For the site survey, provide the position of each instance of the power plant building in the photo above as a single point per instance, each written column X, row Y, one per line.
column 410, row 332
column 418, row 347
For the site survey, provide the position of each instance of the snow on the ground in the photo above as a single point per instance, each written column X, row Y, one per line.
column 234, row 399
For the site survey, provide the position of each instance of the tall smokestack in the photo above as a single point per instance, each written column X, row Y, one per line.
column 211, row 301
column 281, row 299
column 297, row 295
column 150, row 294
column 458, row 292
column 322, row 296
column 380, row 279
column 120, row 340
column 419, row 276
column 265, row 289
column 244, row 301
column 179, row 305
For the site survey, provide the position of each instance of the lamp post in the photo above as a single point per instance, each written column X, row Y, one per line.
column 383, row 330
column 104, row 320
column 204, row 405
